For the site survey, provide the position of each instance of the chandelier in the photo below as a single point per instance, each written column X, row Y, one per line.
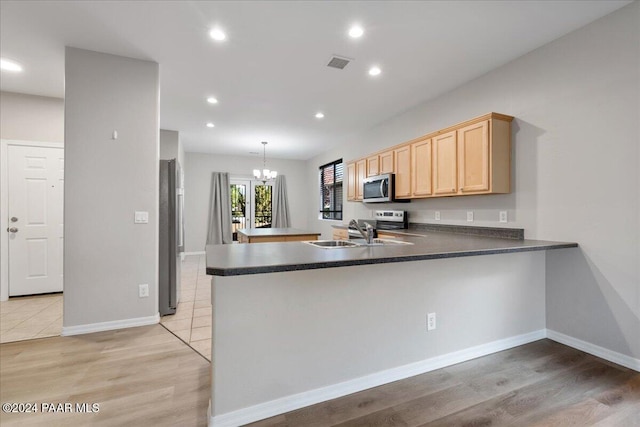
column 264, row 175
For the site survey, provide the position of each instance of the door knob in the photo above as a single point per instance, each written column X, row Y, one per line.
column 14, row 219
column 12, row 230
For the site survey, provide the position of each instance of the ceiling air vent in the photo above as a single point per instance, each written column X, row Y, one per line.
column 338, row 62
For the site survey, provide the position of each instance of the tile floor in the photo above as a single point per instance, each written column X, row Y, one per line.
column 192, row 321
column 40, row 316
column 25, row 318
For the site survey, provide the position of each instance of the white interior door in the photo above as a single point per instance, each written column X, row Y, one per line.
column 36, row 185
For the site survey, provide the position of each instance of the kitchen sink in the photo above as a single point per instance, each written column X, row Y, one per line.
column 382, row 242
column 333, row 244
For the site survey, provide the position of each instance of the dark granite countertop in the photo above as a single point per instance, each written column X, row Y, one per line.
column 239, row 259
column 264, row 232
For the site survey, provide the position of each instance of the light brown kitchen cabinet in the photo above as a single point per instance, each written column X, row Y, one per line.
column 484, row 153
column 386, row 162
column 421, row 168
column 445, row 164
column 351, row 181
column 382, row 235
column 402, row 168
column 473, row 157
column 340, row 234
column 256, row 235
column 380, row 163
column 372, row 166
column 356, row 173
column 361, row 169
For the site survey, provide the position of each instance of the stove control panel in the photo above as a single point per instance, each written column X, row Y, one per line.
column 395, row 216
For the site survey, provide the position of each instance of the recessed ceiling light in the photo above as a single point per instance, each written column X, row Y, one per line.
column 374, row 71
column 9, row 65
column 217, row 34
column 319, row 115
column 210, row 125
column 356, row 31
column 212, row 100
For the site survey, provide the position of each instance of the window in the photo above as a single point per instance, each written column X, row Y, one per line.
column 331, row 178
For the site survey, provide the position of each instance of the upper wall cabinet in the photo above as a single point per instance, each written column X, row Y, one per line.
column 402, row 168
column 386, row 161
column 421, row 168
column 445, row 164
column 356, row 173
column 380, row 163
column 351, row 181
column 372, row 166
column 473, row 157
column 484, row 157
column 361, row 171
column 473, row 162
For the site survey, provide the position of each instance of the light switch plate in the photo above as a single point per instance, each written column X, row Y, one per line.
column 141, row 217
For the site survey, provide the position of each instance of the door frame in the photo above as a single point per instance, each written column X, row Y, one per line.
column 250, row 191
column 4, row 205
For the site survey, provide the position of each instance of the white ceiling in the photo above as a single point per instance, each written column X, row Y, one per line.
column 270, row 75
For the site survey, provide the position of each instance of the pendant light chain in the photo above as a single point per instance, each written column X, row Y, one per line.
column 264, row 175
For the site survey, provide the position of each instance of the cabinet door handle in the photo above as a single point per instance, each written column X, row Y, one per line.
column 12, row 230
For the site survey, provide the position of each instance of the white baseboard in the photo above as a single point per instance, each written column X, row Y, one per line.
column 596, row 350
column 194, row 253
column 311, row 397
column 111, row 325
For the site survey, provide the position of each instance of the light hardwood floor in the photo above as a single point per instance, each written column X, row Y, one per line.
column 148, row 377
column 139, row 377
column 538, row 384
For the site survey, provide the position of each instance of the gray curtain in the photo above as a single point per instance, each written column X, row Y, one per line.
column 280, row 217
column 219, row 231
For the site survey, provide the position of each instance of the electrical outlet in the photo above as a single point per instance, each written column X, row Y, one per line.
column 470, row 216
column 431, row 321
column 141, row 217
column 143, row 290
column 437, row 216
column 503, row 216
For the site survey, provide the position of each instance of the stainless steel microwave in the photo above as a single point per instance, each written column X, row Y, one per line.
column 378, row 189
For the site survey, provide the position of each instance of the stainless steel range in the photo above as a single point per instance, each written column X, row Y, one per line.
column 383, row 220
column 391, row 220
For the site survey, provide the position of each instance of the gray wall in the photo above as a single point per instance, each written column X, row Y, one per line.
column 106, row 255
column 171, row 146
column 31, row 118
column 197, row 189
column 576, row 161
column 303, row 330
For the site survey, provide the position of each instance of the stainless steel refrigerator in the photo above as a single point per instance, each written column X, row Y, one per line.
column 171, row 235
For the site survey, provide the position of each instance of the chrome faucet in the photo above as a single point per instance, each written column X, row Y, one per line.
column 367, row 233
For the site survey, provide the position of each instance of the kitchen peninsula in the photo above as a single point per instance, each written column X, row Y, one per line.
column 265, row 235
column 289, row 330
